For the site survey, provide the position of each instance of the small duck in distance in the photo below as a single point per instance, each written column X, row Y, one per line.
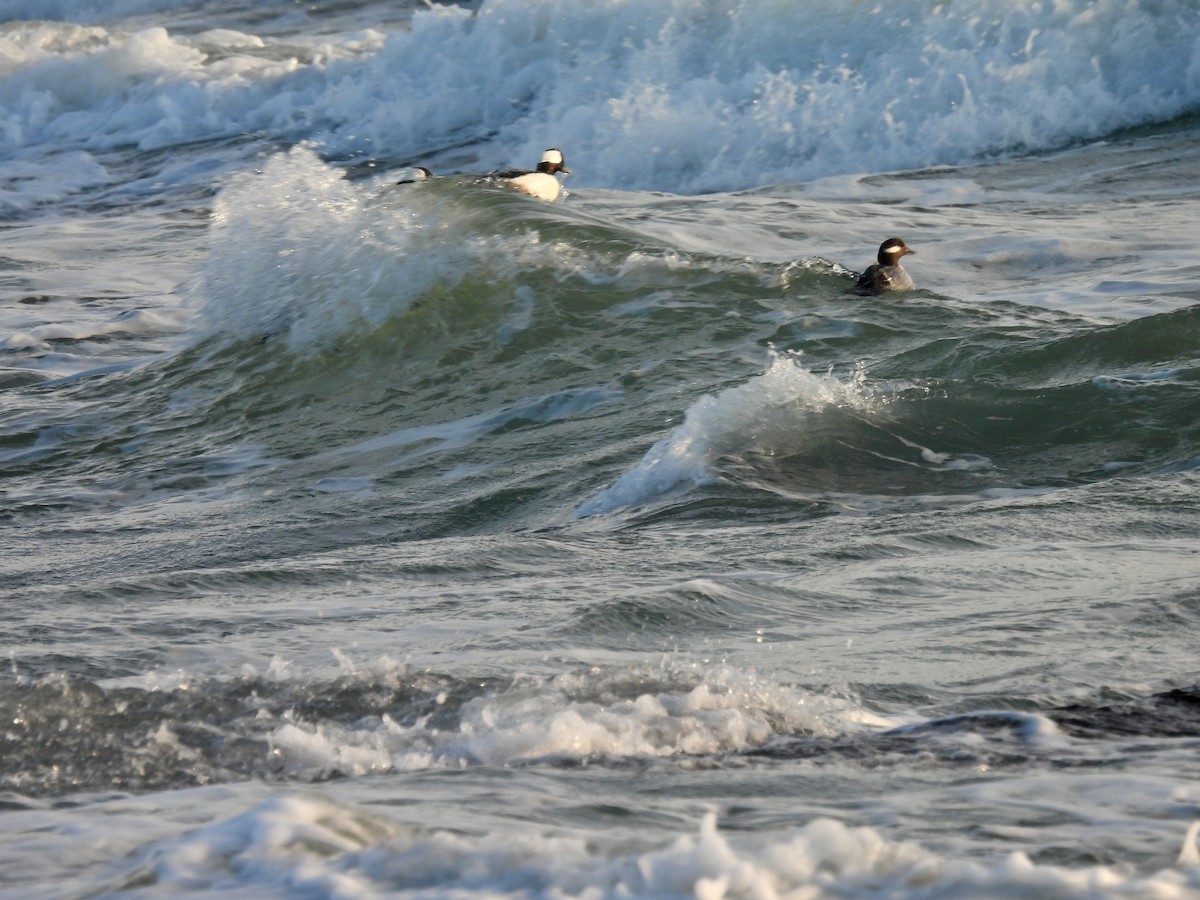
column 540, row 183
column 416, row 175
column 887, row 274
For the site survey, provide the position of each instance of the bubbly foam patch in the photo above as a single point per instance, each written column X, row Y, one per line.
column 312, row 845
column 594, row 715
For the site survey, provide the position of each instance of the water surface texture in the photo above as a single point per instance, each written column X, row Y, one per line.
column 367, row 539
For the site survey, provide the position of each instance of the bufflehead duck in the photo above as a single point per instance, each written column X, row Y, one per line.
column 887, row 274
column 416, row 175
column 540, row 183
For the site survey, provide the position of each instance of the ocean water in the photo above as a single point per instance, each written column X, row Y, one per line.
column 365, row 539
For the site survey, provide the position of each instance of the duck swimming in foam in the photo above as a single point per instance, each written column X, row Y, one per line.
column 416, row 175
column 542, row 182
column 887, row 274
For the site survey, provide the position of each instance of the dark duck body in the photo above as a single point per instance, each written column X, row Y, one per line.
column 419, row 174
column 887, row 274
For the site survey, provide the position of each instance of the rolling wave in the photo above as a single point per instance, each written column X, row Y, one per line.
column 467, row 348
column 681, row 96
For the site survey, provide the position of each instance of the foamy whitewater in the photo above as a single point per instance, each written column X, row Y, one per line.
column 365, row 536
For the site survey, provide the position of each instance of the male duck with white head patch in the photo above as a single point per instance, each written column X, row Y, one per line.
column 541, row 183
column 887, row 274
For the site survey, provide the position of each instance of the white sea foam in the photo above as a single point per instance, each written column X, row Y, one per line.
column 771, row 413
column 306, row 843
column 299, row 252
column 678, row 96
column 285, row 255
column 577, row 717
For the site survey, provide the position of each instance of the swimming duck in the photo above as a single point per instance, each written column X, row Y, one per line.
column 416, row 175
column 887, row 274
column 540, row 183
